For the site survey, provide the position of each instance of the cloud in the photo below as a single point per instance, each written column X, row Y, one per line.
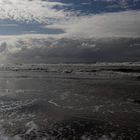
column 40, row 31
column 70, row 50
column 50, row 11
column 3, row 47
column 120, row 24
column 59, row 19
column 30, row 10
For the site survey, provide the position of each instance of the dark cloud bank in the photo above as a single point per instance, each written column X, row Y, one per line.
column 98, row 6
column 72, row 50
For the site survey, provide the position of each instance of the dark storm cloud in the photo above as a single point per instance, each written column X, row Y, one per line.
column 75, row 51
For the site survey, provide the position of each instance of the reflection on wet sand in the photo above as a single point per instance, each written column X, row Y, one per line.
column 54, row 106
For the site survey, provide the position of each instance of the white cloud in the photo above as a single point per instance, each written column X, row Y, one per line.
column 25, row 10
column 121, row 24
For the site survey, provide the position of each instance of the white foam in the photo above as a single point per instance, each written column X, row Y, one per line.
column 52, row 102
column 11, row 105
column 31, row 127
column 19, row 91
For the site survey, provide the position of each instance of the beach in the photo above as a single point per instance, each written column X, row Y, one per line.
column 70, row 102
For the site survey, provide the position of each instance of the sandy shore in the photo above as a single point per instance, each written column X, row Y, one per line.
column 70, row 102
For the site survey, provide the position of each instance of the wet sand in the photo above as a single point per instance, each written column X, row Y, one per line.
column 69, row 105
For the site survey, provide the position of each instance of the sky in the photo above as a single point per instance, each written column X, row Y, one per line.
column 69, row 31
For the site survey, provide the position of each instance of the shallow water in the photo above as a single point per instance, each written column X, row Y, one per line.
column 37, row 105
